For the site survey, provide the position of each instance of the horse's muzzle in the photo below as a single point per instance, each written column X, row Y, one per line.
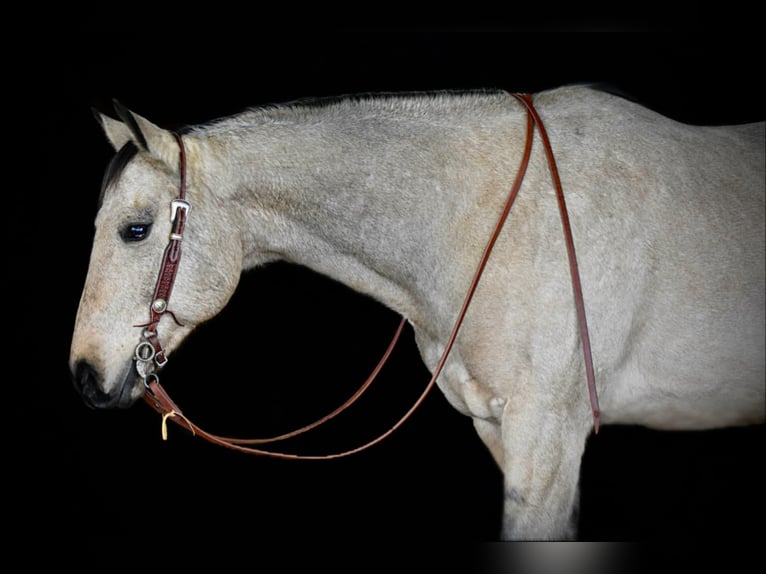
column 89, row 384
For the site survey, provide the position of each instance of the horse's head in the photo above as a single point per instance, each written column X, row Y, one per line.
column 133, row 225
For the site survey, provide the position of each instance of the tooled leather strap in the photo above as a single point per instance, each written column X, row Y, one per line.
column 179, row 210
column 159, row 400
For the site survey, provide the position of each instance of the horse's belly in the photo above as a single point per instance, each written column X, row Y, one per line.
column 663, row 409
column 690, row 383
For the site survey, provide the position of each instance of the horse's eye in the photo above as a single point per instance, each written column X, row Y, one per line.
column 135, row 232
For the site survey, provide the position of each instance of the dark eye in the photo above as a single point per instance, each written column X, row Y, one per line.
column 135, row 232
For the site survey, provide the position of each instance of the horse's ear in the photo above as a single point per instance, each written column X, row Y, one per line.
column 116, row 132
column 144, row 134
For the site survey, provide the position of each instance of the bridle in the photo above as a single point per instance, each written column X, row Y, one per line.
column 149, row 353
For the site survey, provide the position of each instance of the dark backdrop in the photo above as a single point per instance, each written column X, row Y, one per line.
column 292, row 345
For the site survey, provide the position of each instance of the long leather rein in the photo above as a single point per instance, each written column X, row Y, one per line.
column 150, row 354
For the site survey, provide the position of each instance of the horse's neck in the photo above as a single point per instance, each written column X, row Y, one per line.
column 369, row 197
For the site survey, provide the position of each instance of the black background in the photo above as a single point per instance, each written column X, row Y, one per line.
column 292, row 345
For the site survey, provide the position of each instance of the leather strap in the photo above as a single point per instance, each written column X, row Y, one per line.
column 526, row 99
column 160, row 401
column 171, row 257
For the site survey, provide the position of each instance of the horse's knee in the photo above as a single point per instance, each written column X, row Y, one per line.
column 541, row 476
column 552, row 519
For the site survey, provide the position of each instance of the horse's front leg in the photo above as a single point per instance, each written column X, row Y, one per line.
column 542, row 445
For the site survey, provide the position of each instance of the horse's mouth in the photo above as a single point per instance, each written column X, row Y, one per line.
column 131, row 389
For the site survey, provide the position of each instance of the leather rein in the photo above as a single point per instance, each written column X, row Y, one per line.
column 149, row 353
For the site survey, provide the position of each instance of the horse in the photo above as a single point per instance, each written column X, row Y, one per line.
column 395, row 196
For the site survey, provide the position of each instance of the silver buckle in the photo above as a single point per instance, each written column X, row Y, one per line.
column 177, row 204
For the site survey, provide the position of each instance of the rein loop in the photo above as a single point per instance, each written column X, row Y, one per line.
column 149, row 353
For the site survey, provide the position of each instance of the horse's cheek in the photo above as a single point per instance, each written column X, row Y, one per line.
column 215, row 279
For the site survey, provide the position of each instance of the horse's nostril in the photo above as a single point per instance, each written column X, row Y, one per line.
column 86, row 381
column 84, row 376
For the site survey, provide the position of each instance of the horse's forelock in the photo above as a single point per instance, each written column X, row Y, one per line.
column 116, row 167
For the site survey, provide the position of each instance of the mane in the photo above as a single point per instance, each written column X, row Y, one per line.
column 382, row 97
column 304, row 108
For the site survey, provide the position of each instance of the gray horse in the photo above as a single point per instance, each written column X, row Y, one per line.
column 396, row 196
